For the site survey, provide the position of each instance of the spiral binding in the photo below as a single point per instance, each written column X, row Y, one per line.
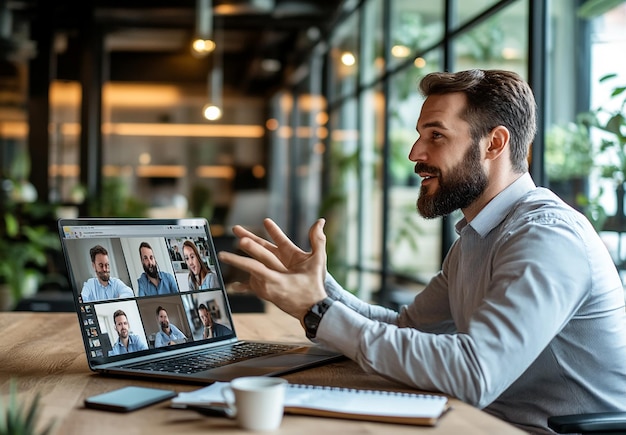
column 362, row 391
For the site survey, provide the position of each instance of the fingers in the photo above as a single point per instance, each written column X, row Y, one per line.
column 261, row 254
column 317, row 239
column 318, row 242
column 317, row 236
column 282, row 273
column 250, row 265
column 279, row 237
column 241, row 232
column 283, row 254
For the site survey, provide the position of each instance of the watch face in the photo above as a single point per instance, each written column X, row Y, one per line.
column 313, row 317
column 311, row 320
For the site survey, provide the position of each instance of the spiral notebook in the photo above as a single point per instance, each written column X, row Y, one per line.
column 348, row 403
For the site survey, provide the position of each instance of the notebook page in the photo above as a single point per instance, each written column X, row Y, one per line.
column 365, row 402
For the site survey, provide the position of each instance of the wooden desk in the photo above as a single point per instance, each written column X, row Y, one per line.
column 44, row 352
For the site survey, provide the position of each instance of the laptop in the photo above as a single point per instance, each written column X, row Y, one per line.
column 146, row 309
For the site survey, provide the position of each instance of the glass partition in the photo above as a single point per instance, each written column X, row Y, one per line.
column 372, row 42
column 369, row 188
column 371, row 165
column 608, row 144
column 415, row 26
column 568, row 156
column 341, row 205
column 278, row 126
column 499, row 42
column 64, row 154
column 413, row 243
column 344, row 58
column 467, row 11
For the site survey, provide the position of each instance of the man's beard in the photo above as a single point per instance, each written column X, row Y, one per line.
column 165, row 325
column 463, row 185
column 151, row 270
column 104, row 276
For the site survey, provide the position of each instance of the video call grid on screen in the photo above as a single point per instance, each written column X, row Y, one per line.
column 125, row 264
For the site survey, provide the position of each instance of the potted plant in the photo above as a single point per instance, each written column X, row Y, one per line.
column 25, row 240
column 20, row 417
column 23, row 256
column 611, row 158
column 115, row 200
column 569, row 160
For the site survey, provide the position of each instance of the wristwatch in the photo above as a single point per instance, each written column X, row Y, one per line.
column 313, row 317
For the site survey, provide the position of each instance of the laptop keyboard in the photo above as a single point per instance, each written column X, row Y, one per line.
column 211, row 358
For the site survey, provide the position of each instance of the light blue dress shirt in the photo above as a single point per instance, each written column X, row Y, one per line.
column 94, row 291
column 162, row 339
column 134, row 344
column 209, row 281
column 167, row 285
column 526, row 319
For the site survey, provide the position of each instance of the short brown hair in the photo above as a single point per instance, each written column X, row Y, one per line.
column 97, row 250
column 119, row 313
column 494, row 97
column 144, row 245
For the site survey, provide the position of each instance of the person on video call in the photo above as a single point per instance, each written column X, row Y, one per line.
column 200, row 276
column 176, row 256
column 126, row 341
column 153, row 281
column 525, row 319
column 211, row 328
column 103, row 286
column 169, row 333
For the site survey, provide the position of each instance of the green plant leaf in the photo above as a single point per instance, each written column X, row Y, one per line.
column 11, row 224
column 618, row 91
column 20, row 418
column 615, row 123
column 606, row 77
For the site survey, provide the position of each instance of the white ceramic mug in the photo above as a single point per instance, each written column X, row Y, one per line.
column 256, row 401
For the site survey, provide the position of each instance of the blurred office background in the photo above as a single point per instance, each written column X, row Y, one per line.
column 102, row 113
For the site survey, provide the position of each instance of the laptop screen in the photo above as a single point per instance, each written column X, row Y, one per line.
column 144, row 286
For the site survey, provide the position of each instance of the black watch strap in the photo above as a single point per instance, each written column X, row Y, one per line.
column 314, row 316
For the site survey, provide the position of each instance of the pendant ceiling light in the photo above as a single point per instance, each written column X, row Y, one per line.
column 213, row 109
column 203, row 43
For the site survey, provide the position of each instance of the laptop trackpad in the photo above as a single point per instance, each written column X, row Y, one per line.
column 271, row 365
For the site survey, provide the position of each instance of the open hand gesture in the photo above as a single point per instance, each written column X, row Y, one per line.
column 281, row 272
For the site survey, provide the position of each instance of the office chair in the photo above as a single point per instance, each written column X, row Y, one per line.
column 594, row 423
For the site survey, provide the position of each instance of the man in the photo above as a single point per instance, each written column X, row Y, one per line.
column 211, row 329
column 126, row 342
column 153, row 281
column 177, row 255
column 103, row 287
column 526, row 318
column 169, row 333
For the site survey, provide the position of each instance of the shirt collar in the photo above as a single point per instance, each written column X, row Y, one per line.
column 103, row 286
column 497, row 209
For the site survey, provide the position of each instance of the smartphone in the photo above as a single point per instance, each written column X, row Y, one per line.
column 128, row 398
